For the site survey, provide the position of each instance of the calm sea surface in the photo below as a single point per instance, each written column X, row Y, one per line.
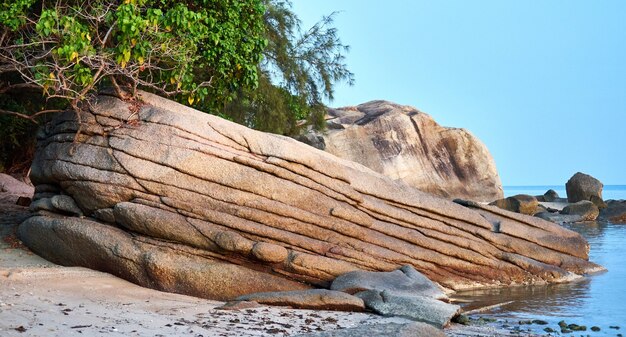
column 615, row 192
column 596, row 300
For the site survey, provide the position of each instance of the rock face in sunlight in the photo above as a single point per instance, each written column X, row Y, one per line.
column 178, row 200
column 406, row 144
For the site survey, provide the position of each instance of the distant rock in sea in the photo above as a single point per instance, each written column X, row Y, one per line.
column 582, row 186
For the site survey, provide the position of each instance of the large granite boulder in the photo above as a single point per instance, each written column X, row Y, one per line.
column 182, row 201
column 406, row 144
column 583, row 187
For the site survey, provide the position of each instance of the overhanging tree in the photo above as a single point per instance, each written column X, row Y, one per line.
column 200, row 50
column 205, row 53
column 299, row 70
column 55, row 54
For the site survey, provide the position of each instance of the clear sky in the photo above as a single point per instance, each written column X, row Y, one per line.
column 541, row 83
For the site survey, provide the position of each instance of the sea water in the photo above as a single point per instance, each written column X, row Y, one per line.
column 614, row 192
column 596, row 300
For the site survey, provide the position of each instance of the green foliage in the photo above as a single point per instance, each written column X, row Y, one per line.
column 12, row 13
column 200, row 52
column 192, row 50
column 245, row 60
column 299, row 71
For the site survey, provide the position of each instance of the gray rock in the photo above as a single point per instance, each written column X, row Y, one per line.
column 405, row 280
column 582, row 187
column 598, row 202
column 415, row 329
column 65, row 203
column 615, row 211
column 550, row 196
column 44, row 204
column 320, row 299
column 45, row 188
column 587, row 210
column 105, row 215
column 42, row 195
column 334, row 125
column 418, row 308
column 59, row 203
column 313, row 138
column 521, row 203
column 559, row 218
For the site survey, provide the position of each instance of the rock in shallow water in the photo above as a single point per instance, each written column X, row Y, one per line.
column 587, row 210
column 202, row 206
column 550, row 195
column 615, row 211
column 559, row 218
column 582, row 186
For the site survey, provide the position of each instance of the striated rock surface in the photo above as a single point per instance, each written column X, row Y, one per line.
column 406, row 144
column 183, row 201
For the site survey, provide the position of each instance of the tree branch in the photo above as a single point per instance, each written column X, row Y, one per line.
column 29, row 117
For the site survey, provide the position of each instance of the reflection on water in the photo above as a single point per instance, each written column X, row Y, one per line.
column 596, row 300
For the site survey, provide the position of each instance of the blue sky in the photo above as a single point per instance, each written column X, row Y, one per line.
column 541, row 83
